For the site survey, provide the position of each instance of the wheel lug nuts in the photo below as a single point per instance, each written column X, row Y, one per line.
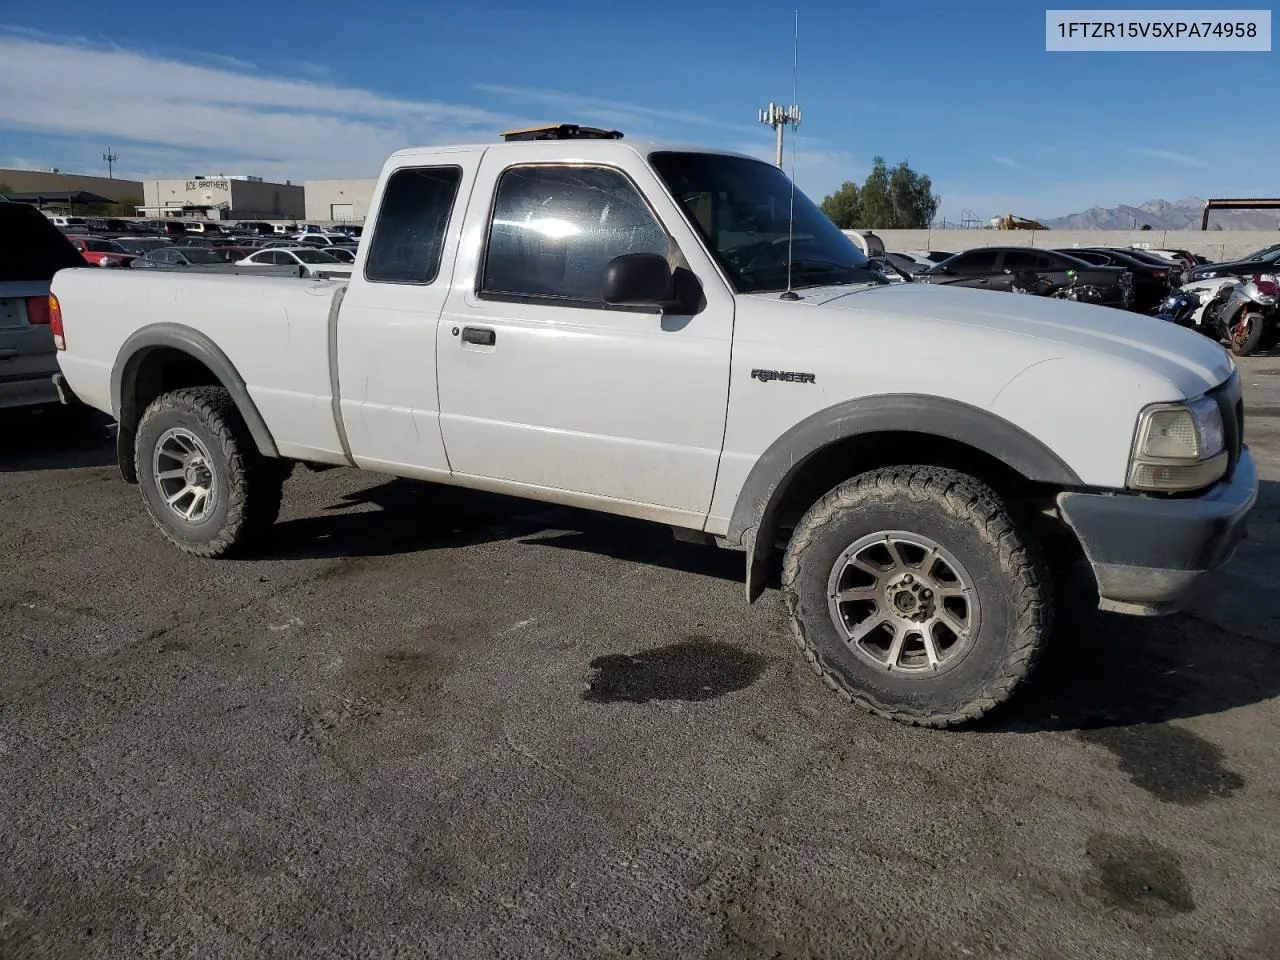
column 907, row 578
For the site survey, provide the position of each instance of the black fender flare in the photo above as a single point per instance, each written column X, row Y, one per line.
column 753, row 523
column 199, row 347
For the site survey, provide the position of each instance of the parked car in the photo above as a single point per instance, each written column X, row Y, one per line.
column 38, row 251
column 1000, row 268
column 907, row 263
column 140, row 246
column 101, row 252
column 1260, row 261
column 891, row 271
column 342, row 254
column 921, row 450
column 311, row 260
column 1151, row 282
column 72, row 224
column 167, row 227
column 930, row 256
column 184, row 256
column 255, row 228
column 324, row 239
column 1185, row 259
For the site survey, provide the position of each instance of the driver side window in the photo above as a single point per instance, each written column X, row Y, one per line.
column 555, row 228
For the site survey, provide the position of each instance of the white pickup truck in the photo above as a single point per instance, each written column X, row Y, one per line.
column 653, row 331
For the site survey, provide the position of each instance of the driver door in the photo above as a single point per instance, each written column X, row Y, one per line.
column 545, row 388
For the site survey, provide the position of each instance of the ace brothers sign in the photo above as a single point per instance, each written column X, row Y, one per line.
column 197, row 185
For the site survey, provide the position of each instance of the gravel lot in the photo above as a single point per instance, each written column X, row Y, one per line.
column 433, row 723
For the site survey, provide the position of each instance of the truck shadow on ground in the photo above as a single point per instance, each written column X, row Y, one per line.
column 410, row 516
column 1102, row 670
column 54, row 438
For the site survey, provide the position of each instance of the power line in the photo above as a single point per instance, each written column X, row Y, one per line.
column 111, row 159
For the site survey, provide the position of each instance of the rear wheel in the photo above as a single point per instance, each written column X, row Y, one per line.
column 1246, row 334
column 913, row 593
column 203, row 480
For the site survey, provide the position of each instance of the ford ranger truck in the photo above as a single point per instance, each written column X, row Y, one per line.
column 652, row 331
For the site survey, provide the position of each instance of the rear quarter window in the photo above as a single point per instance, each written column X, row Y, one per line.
column 408, row 236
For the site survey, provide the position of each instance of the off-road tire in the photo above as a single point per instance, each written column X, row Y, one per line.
column 1252, row 340
column 1011, row 573
column 250, row 485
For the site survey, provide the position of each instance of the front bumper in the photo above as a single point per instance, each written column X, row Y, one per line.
column 1151, row 554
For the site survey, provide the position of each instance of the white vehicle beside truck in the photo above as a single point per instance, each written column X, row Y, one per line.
column 655, row 331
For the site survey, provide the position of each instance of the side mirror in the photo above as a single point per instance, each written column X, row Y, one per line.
column 639, row 279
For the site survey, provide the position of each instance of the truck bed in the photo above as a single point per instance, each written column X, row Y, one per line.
column 274, row 331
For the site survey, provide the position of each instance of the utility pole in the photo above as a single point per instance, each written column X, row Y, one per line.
column 779, row 117
column 111, row 159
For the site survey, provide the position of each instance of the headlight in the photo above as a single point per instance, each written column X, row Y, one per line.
column 1179, row 446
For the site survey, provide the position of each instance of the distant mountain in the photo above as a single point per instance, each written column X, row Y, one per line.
column 1163, row 215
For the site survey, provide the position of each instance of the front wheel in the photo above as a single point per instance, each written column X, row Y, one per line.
column 913, row 593
column 203, row 480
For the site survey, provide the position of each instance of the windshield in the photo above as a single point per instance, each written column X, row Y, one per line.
column 742, row 209
column 104, row 246
column 314, row 256
column 1265, row 253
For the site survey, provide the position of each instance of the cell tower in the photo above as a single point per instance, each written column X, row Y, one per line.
column 779, row 117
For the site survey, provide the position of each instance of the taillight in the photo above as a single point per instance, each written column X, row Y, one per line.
column 55, row 322
column 1159, row 274
column 38, row 310
column 1266, row 284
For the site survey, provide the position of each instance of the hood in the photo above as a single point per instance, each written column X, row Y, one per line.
column 1188, row 359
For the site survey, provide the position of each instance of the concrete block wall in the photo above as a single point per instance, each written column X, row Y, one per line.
column 1217, row 245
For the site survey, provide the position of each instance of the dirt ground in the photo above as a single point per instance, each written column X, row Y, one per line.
column 431, row 723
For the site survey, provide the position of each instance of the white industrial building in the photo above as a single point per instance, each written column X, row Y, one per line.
column 339, row 201
column 223, row 197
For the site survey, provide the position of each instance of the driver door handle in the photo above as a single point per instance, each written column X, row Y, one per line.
column 480, row 335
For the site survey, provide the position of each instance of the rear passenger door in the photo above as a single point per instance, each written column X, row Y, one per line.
column 1018, row 266
column 385, row 335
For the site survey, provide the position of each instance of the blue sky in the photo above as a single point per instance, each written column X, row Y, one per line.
column 964, row 93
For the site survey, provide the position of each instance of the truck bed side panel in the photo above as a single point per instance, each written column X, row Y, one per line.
column 274, row 331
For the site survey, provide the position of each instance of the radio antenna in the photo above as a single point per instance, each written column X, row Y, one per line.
column 793, row 116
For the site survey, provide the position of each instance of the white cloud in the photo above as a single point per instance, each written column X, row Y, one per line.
column 209, row 114
column 1008, row 162
column 1171, row 155
column 165, row 115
